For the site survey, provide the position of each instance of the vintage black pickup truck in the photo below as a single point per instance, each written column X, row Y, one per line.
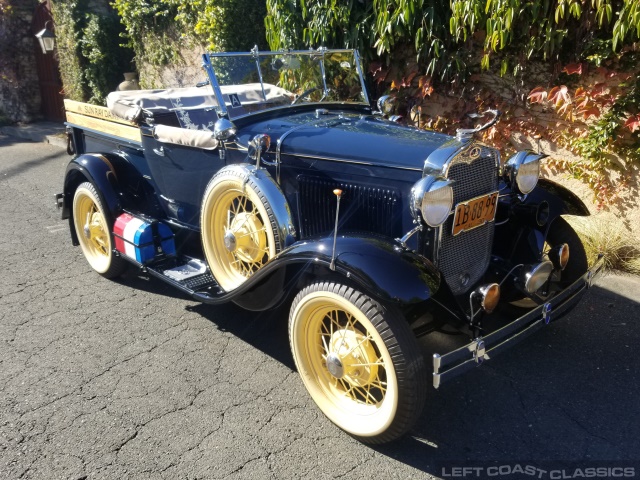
column 274, row 181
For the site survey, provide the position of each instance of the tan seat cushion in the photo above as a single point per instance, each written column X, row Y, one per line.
column 186, row 137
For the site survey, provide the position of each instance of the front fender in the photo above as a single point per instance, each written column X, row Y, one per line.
column 561, row 200
column 379, row 266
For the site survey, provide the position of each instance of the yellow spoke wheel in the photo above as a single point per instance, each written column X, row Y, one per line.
column 359, row 361
column 94, row 232
column 237, row 233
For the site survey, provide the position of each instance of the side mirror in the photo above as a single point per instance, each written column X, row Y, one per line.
column 224, row 129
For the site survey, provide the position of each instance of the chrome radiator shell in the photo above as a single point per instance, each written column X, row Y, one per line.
column 463, row 259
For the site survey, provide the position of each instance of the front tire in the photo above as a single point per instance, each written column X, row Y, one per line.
column 93, row 229
column 359, row 361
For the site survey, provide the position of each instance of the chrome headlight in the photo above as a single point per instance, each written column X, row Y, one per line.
column 523, row 170
column 433, row 198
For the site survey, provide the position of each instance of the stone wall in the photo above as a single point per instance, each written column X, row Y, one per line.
column 19, row 89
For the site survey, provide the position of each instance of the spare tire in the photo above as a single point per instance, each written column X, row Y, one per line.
column 239, row 229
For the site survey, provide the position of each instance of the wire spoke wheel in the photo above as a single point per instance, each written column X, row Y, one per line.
column 342, row 342
column 237, row 232
column 94, row 232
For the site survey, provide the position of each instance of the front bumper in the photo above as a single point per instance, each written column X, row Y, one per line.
column 458, row 361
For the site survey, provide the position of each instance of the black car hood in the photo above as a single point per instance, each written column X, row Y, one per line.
column 348, row 136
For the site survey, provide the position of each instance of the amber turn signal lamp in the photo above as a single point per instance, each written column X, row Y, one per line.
column 489, row 296
column 559, row 256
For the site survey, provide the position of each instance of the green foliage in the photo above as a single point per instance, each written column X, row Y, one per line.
column 105, row 60
column 381, row 28
column 552, row 30
column 66, row 15
column 297, row 25
column 148, row 29
column 157, row 29
column 443, row 33
column 91, row 59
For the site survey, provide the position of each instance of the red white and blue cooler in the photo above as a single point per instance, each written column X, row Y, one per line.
column 134, row 237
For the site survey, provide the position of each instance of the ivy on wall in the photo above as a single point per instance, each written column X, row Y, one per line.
column 424, row 48
column 157, row 30
column 91, row 58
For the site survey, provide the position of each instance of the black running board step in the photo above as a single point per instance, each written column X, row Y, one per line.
column 199, row 284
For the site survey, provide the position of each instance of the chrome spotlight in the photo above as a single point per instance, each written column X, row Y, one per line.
column 536, row 276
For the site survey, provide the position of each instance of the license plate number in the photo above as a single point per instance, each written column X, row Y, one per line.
column 474, row 213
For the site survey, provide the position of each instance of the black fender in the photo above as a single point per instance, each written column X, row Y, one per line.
column 379, row 266
column 98, row 169
column 561, row 200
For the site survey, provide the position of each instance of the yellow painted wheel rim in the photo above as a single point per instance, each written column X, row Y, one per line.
column 92, row 230
column 362, row 398
column 237, row 235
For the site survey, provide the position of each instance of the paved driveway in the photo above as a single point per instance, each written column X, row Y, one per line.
column 128, row 379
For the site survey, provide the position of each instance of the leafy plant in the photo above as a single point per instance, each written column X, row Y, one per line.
column 156, row 30
column 91, row 59
column 603, row 109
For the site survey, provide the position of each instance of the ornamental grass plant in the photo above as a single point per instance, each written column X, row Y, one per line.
column 606, row 235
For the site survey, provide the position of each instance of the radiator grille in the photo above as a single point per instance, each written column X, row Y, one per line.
column 463, row 259
column 372, row 209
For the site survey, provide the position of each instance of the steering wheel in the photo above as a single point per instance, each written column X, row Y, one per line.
column 307, row 92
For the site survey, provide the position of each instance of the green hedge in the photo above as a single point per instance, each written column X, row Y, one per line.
column 91, row 58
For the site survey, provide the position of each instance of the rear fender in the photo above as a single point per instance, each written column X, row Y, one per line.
column 379, row 266
column 99, row 170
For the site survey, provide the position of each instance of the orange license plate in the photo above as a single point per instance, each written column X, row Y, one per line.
column 475, row 212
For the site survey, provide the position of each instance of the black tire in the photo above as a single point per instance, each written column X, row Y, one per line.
column 93, row 225
column 359, row 361
column 236, row 205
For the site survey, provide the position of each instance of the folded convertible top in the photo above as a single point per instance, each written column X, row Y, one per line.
column 130, row 104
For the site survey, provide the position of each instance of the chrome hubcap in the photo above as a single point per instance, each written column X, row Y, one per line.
column 334, row 365
column 230, row 241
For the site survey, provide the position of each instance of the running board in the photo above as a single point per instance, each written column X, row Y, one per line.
column 189, row 275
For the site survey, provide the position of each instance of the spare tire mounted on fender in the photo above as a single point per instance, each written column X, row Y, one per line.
column 240, row 231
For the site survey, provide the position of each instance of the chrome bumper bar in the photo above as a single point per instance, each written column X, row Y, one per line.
column 452, row 364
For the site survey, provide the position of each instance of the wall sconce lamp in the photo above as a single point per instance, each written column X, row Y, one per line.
column 46, row 38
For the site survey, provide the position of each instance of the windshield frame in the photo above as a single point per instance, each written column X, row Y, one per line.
column 223, row 111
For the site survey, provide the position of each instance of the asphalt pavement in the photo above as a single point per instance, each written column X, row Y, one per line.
column 130, row 379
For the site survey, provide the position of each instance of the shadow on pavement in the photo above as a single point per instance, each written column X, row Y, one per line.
column 569, row 393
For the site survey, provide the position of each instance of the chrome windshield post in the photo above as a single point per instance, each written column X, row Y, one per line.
column 359, row 68
column 323, row 50
column 256, row 54
column 221, row 108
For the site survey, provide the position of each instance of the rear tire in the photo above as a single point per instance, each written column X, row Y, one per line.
column 358, row 360
column 93, row 229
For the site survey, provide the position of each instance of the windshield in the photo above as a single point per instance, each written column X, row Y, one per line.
column 250, row 82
